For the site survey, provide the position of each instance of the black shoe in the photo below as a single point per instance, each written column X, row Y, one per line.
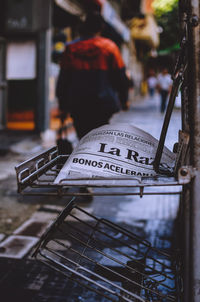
column 87, row 194
column 86, row 190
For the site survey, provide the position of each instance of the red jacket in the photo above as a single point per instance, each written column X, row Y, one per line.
column 92, row 76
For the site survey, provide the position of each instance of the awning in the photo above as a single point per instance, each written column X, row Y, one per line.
column 145, row 30
column 113, row 19
column 71, row 6
column 62, row 18
column 79, row 8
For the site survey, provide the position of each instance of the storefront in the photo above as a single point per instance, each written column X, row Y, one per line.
column 34, row 34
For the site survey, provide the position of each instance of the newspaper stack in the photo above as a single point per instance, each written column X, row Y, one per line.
column 114, row 150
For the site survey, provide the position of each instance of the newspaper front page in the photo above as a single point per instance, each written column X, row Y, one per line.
column 114, row 150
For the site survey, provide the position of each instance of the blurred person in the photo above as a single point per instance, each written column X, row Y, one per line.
column 152, row 83
column 59, row 41
column 131, row 85
column 92, row 84
column 130, row 79
column 164, row 87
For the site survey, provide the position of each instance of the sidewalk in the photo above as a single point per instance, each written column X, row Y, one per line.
column 152, row 217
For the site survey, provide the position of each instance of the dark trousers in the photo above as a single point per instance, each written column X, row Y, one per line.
column 163, row 95
column 85, row 122
column 151, row 91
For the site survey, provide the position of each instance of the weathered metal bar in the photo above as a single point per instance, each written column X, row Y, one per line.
column 159, row 151
column 194, row 119
column 178, row 78
column 42, row 106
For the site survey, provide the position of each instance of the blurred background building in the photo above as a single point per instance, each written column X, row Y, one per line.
column 33, row 34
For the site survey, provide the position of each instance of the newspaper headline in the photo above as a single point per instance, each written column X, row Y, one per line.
column 114, row 150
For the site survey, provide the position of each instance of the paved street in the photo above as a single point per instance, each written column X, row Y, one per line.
column 151, row 216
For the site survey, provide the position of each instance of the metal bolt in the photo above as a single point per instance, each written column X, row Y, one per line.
column 175, row 148
column 2, row 249
column 194, row 21
column 184, row 172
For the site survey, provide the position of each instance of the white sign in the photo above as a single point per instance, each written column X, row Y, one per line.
column 21, row 60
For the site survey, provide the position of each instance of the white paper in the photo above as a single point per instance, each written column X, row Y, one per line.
column 116, row 150
column 21, row 60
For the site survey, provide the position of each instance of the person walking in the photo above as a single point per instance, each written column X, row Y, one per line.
column 164, row 87
column 152, row 83
column 92, row 83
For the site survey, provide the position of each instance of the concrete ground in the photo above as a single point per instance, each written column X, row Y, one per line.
column 150, row 216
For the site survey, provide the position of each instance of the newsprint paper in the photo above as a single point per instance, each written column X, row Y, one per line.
column 114, row 150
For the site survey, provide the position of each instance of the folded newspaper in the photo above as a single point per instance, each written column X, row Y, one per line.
column 114, row 150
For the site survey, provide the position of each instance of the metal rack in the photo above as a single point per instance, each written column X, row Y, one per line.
column 99, row 255
column 36, row 177
column 108, row 259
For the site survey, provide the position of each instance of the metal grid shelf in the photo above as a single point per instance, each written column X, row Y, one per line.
column 36, row 177
column 108, row 259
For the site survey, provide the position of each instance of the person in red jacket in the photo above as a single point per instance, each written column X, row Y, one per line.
column 92, row 84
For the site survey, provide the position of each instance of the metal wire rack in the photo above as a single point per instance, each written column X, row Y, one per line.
column 108, row 259
column 36, row 177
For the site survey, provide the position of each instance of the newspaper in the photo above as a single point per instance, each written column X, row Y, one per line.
column 114, row 150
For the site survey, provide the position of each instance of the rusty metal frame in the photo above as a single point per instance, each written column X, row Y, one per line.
column 178, row 79
column 193, row 293
column 189, row 11
column 108, row 259
column 36, row 177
